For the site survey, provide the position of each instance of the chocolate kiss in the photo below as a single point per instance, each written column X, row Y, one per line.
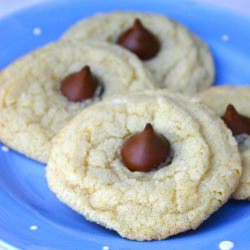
column 140, row 41
column 80, row 86
column 238, row 123
column 146, row 150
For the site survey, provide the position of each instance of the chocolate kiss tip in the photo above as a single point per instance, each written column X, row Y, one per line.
column 86, row 69
column 137, row 23
column 148, row 127
column 145, row 150
column 231, row 109
column 231, row 112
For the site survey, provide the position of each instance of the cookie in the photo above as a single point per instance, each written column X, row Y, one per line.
column 43, row 90
column 89, row 168
column 181, row 61
column 218, row 98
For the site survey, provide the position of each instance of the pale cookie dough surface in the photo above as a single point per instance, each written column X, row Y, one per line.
column 184, row 63
column 32, row 108
column 86, row 172
column 218, row 98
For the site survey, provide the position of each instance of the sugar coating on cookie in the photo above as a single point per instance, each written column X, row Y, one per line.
column 218, row 98
column 32, row 107
column 86, row 172
column 183, row 64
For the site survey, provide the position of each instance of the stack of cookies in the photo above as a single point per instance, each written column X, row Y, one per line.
column 109, row 109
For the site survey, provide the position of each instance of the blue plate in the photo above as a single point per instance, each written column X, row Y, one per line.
column 30, row 215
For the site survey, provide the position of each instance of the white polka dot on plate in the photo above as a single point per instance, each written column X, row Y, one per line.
column 225, row 38
column 37, row 31
column 5, row 149
column 105, row 248
column 33, row 228
column 226, row 245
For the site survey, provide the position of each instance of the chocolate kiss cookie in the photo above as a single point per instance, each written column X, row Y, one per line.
column 93, row 170
column 177, row 58
column 233, row 105
column 43, row 90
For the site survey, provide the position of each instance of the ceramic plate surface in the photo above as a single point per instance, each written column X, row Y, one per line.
column 30, row 215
